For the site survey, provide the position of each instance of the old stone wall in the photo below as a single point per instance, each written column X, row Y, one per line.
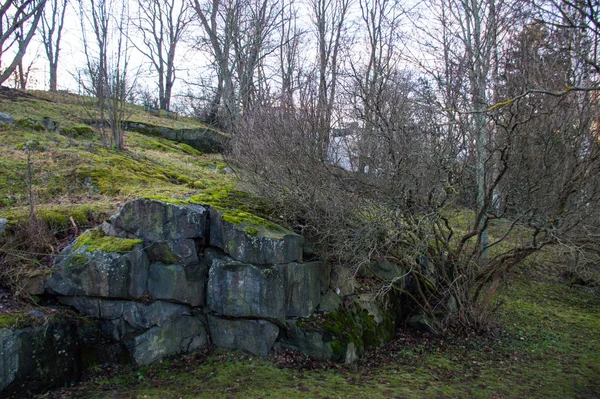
column 161, row 279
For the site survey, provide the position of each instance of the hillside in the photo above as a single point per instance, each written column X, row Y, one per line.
column 77, row 177
column 543, row 343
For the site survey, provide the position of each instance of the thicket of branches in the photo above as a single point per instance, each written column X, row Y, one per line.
column 500, row 117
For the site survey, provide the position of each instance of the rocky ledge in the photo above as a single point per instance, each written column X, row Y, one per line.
column 160, row 279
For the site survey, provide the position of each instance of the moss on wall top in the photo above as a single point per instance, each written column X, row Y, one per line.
column 95, row 240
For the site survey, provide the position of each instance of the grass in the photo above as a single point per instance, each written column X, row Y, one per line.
column 69, row 173
column 70, row 110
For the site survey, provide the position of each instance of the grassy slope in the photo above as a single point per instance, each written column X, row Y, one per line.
column 549, row 347
column 80, row 178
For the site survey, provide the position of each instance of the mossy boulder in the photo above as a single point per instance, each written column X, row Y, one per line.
column 103, row 267
column 173, row 233
column 178, row 283
column 239, row 289
column 253, row 336
column 344, row 334
column 30, row 123
column 6, row 118
column 185, row 334
column 247, row 238
column 78, row 131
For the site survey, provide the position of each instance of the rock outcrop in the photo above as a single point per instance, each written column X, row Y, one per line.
column 160, row 279
column 205, row 140
column 34, row 358
column 163, row 279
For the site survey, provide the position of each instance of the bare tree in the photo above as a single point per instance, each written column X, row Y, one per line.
column 253, row 42
column 51, row 29
column 582, row 17
column 22, row 73
column 371, row 74
column 14, row 16
column 290, row 40
column 330, row 20
column 216, row 19
column 162, row 24
column 239, row 35
column 107, row 75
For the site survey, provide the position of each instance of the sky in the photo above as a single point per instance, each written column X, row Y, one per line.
column 72, row 58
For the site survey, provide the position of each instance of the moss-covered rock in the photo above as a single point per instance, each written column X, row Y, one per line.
column 101, row 266
column 172, row 233
column 96, row 240
column 30, row 123
column 248, row 238
column 78, row 131
column 345, row 333
column 203, row 140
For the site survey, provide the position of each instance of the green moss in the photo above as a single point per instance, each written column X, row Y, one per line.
column 336, row 347
column 252, row 231
column 78, row 260
column 241, row 217
column 59, row 217
column 234, row 206
column 15, row 320
column 189, row 149
column 95, row 240
column 224, row 196
column 78, row 131
column 30, row 123
column 345, row 326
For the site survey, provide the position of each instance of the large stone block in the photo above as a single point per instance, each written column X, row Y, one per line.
column 35, row 358
column 309, row 342
column 101, row 274
column 121, row 318
column 303, row 284
column 171, row 232
column 153, row 220
column 244, row 290
column 244, row 238
column 178, row 283
column 254, row 336
column 183, row 335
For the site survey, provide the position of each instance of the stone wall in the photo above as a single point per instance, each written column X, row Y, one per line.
column 160, row 279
